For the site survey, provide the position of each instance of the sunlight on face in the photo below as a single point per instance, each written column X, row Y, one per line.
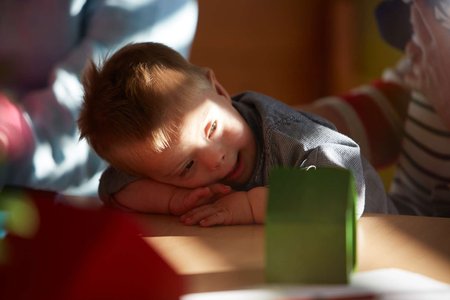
column 215, row 144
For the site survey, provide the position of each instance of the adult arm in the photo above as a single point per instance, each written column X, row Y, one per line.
column 371, row 114
column 53, row 110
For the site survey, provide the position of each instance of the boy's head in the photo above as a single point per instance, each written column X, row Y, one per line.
column 139, row 94
column 149, row 112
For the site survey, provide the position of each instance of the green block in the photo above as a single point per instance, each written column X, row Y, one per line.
column 311, row 226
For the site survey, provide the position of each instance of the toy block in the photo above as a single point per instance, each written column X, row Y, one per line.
column 310, row 226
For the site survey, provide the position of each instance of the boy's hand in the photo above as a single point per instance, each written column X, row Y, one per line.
column 183, row 200
column 231, row 209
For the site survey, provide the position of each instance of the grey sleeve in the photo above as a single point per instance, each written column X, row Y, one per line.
column 370, row 190
column 112, row 181
column 376, row 196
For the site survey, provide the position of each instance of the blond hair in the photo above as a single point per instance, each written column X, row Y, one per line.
column 138, row 96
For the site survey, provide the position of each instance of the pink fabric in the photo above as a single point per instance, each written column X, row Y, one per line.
column 15, row 133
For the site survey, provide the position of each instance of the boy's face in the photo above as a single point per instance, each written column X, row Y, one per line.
column 215, row 145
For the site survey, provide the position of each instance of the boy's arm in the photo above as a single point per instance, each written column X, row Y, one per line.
column 150, row 196
column 232, row 209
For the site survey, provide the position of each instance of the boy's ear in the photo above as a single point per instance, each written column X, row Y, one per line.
column 216, row 84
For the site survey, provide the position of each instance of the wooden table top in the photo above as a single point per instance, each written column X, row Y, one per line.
column 232, row 257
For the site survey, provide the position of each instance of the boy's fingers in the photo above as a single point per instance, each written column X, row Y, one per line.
column 218, row 188
column 215, row 219
column 197, row 215
column 189, row 215
column 197, row 197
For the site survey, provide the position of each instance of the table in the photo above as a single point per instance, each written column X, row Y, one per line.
column 232, row 257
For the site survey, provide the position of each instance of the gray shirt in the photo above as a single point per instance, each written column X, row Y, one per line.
column 290, row 138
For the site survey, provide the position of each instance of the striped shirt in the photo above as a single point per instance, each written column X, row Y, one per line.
column 399, row 128
column 421, row 184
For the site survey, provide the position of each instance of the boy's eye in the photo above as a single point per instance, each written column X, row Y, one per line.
column 212, row 128
column 187, row 168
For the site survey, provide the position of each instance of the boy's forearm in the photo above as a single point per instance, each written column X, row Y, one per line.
column 257, row 198
column 146, row 195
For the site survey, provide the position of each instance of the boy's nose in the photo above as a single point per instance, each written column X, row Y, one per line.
column 214, row 159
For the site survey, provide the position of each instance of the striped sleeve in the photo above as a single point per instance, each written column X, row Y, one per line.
column 373, row 116
column 421, row 184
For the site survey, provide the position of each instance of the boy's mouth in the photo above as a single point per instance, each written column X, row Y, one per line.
column 236, row 172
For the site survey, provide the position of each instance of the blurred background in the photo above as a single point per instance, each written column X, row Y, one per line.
column 293, row 50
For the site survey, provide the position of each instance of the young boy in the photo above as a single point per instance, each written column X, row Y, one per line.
column 179, row 144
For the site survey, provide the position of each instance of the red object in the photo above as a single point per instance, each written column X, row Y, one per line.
column 84, row 254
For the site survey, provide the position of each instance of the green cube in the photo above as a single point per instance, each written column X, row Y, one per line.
column 311, row 226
